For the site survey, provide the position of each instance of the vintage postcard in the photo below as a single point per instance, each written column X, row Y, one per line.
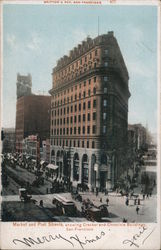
column 80, row 124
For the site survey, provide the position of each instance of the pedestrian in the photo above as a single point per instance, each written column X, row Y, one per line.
column 127, row 201
column 137, row 209
column 138, row 201
column 107, row 201
column 147, row 196
column 41, row 203
column 143, row 196
column 100, row 199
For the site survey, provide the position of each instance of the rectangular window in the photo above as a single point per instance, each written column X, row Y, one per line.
column 84, row 94
column 79, row 118
column 94, row 116
column 88, row 116
column 94, row 129
column 79, row 95
column 71, row 109
column 87, row 144
column 93, row 144
column 84, row 105
column 75, row 118
column 67, row 110
column 106, row 51
column 104, row 116
column 67, row 131
column 104, row 129
column 84, row 83
column 88, row 130
column 79, row 106
column 75, row 108
column 96, row 52
column 71, row 131
column 106, row 64
column 63, row 131
column 89, row 92
column 105, row 90
column 79, row 130
column 74, row 143
column 71, row 119
column 75, row 130
column 89, row 104
column 67, row 143
column 89, row 81
column 64, row 111
column 84, row 117
column 105, row 78
column 105, row 103
column 83, row 129
column 82, row 144
column 94, row 103
column 78, row 144
column 95, row 79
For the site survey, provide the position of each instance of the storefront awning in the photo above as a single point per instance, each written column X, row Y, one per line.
column 42, row 162
column 52, row 166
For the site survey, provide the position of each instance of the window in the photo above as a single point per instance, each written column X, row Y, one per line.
column 64, row 111
column 71, row 109
column 75, row 96
column 67, row 131
column 89, row 92
column 94, row 90
column 88, row 116
column 75, row 108
column 96, row 52
column 67, row 110
column 94, row 129
column 106, row 64
column 63, row 131
column 70, row 143
column 71, row 131
column 104, row 129
column 84, row 94
column 82, row 144
column 79, row 95
column 60, row 121
column 95, row 79
column 68, row 99
column 57, row 131
column 78, row 144
column 79, row 106
column 87, row 144
column 71, row 119
column 88, row 130
column 95, row 64
column 84, row 117
column 71, row 98
column 75, row 118
column 79, row 130
column 105, row 103
column 57, row 121
column 83, row 129
column 84, row 105
column 105, row 78
column 93, row 144
column 89, row 81
column 80, row 61
column 105, row 90
column 58, row 111
column 84, row 83
column 75, row 130
column 74, row 143
column 104, row 116
column 90, row 55
column 94, row 103
column 106, row 51
column 94, row 116
column 61, row 111
column 85, row 59
column 79, row 118
column 67, row 143
column 89, row 104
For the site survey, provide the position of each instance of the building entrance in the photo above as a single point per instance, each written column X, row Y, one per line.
column 103, row 178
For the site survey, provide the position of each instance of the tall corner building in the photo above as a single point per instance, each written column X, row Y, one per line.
column 89, row 113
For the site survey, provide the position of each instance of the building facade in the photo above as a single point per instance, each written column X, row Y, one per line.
column 89, row 113
column 9, row 140
column 32, row 116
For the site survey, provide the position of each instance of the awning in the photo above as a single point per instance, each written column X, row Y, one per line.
column 42, row 162
column 33, row 160
column 52, row 166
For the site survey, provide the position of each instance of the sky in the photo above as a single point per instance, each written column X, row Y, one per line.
column 36, row 36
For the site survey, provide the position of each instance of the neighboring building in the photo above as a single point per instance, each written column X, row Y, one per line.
column 30, row 147
column 140, row 138
column 32, row 116
column 89, row 113
column 24, row 85
column 9, row 140
column 45, row 151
